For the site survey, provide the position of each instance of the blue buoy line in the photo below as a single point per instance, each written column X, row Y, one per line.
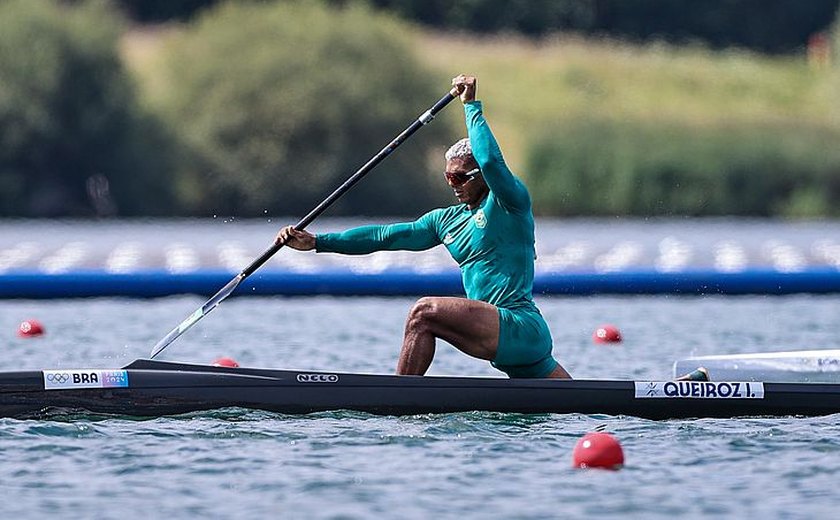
column 344, row 282
column 155, row 258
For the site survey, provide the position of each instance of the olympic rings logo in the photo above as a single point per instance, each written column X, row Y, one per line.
column 59, row 378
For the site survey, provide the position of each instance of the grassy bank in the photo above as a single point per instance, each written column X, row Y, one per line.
column 528, row 84
column 651, row 129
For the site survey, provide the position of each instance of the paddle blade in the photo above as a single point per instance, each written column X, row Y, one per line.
column 193, row 318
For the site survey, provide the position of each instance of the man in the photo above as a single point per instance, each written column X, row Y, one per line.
column 490, row 233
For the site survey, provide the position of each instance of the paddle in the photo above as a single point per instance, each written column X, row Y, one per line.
column 228, row 289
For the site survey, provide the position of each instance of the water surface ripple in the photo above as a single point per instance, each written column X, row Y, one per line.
column 240, row 463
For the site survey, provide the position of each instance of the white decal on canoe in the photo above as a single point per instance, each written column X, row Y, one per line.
column 699, row 390
column 317, row 378
column 93, row 378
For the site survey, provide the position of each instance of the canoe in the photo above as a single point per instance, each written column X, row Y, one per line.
column 147, row 388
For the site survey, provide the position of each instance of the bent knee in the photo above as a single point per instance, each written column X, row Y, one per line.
column 424, row 312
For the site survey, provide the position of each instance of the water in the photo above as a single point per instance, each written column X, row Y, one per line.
column 236, row 463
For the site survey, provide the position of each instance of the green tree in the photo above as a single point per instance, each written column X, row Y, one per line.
column 72, row 139
column 774, row 26
column 835, row 37
column 162, row 10
column 593, row 167
column 276, row 115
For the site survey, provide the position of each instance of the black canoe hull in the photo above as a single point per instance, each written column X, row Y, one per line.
column 160, row 388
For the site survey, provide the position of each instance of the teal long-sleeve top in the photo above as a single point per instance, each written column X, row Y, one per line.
column 493, row 243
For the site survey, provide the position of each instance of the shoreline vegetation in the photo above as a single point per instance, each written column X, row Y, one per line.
column 601, row 127
column 568, row 100
column 212, row 119
column 529, row 83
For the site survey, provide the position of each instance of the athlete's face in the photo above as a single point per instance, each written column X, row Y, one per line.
column 467, row 184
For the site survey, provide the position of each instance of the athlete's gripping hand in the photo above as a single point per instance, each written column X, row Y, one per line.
column 466, row 87
column 291, row 237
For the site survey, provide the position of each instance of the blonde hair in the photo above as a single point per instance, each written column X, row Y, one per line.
column 460, row 150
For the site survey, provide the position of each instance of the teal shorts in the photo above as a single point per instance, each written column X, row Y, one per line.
column 525, row 345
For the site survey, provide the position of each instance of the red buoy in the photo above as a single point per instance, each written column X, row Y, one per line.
column 606, row 334
column 598, row 450
column 225, row 362
column 30, row 329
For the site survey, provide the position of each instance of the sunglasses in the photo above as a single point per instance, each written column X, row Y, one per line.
column 457, row 179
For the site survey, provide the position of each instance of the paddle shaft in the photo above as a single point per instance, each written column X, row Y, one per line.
column 356, row 177
column 228, row 289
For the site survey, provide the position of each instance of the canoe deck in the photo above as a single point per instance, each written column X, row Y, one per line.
column 148, row 388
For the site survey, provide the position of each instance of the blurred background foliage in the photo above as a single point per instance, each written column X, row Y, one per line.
column 73, row 140
column 616, row 168
column 762, row 25
column 605, row 107
column 275, row 115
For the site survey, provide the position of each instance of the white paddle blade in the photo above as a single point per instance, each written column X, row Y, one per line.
column 193, row 318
